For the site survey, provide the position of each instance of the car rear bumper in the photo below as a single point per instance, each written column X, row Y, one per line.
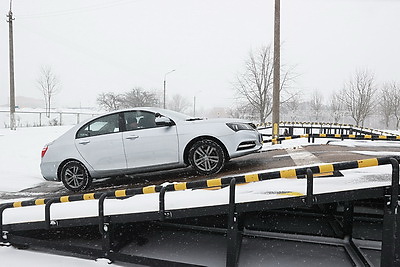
column 49, row 171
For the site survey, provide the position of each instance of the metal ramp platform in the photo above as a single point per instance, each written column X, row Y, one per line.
column 351, row 227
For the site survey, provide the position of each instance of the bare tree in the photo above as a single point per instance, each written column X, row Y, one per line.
column 292, row 107
column 336, row 107
column 138, row 97
column 49, row 84
column 179, row 103
column 394, row 100
column 255, row 84
column 387, row 101
column 243, row 111
column 358, row 96
column 110, row 101
column 316, row 104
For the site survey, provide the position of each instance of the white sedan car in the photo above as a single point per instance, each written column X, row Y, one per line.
column 143, row 140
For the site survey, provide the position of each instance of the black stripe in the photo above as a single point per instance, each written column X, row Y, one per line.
column 345, row 165
column 269, row 175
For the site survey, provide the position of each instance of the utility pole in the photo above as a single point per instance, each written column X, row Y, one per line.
column 276, row 85
column 12, row 84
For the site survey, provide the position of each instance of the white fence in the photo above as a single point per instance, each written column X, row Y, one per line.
column 37, row 118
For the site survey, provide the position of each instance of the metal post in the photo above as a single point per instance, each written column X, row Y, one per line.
column 348, row 218
column 102, row 225
column 161, row 203
column 47, row 213
column 165, row 82
column 11, row 56
column 2, row 208
column 234, row 233
column 310, row 188
column 165, row 86
column 390, row 255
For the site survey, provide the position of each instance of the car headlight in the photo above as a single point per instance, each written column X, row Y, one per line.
column 240, row 126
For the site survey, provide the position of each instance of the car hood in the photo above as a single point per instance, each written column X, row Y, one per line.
column 218, row 120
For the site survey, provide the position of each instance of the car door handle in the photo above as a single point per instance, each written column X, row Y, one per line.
column 132, row 137
column 84, row 142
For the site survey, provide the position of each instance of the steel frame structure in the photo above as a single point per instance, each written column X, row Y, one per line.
column 234, row 224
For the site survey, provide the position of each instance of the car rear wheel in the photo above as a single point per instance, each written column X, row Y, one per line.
column 206, row 157
column 75, row 176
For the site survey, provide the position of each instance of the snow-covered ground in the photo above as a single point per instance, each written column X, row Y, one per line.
column 19, row 169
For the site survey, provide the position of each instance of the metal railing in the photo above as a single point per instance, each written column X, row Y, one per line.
column 391, row 235
column 40, row 118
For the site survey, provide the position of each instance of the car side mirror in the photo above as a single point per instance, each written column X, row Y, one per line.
column 164, row 121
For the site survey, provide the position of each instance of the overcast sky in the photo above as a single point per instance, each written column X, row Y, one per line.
column 114, row 45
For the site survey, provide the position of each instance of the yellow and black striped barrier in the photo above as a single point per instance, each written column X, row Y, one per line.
column 297, row 173
column 284, row 124
column 338, row 136
column 274, row 140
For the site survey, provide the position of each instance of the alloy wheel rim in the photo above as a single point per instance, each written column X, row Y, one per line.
column 206, row 158
column 74, row 176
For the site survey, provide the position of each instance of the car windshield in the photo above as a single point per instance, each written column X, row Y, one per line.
column 180, row 116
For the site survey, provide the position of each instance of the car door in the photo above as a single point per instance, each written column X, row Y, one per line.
column 100, row 143
column 147, row 144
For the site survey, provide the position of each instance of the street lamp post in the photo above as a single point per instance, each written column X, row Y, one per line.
column 165, row 84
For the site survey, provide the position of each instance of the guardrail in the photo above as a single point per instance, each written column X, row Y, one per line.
column 311, row 137
column 325, row 128
column 389, row 245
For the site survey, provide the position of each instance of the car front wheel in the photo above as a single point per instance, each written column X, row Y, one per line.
column 75, row 176
column 206, row 157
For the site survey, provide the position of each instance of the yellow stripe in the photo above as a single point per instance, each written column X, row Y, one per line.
column 323, row 174
column 39, row 201
column 338, row 135
column 352, row 136
column 251, row 178
column 149, row 189
column 322, row 135
column 382, row 137
column 367, row 136
column 120, row 193
column 304, row 135
column 288, row 173
column 88, row 196
column 326, row 168
column 398, row 137
column 214, row 182
column 288, row 137
column 17, row 204
column 64, row 199
column 180, row 186
column 296, row 194
column 367, row 163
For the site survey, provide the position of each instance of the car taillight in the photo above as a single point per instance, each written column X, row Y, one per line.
column 44, row 150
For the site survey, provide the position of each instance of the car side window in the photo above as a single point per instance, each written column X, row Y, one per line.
column 139, row 120
column 131, row 120
column 104, row 125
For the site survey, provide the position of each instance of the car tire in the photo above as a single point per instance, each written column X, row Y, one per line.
column 206, row 157
column 75, row 176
